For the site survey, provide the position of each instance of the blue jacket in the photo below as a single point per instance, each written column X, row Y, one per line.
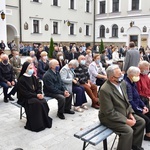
column 134, row 97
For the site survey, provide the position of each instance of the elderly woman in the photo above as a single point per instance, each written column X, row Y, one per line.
column 31, row 98
column 68, row 77
column 61, row 59
column 133, row 76
column 96, row 71
column 43, row 65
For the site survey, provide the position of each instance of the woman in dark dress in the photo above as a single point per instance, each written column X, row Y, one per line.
column 31, row 98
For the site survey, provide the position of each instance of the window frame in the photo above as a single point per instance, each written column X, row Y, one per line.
column 102, row 31
column 102, row 8
column 55, row 1
column 72, row 29
column 87, row 30
column 88, row 6
column 55, row 27
column 72, row 4
column 115, row 6
column 136, row 3
column 115, row 30
column 36, row 29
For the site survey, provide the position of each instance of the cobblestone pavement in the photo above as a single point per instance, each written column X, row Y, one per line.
column 59, row 137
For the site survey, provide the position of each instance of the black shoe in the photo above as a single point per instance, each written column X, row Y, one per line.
column 61, row 115
column 146, row 138
column 69, row 112
column 137, row 148
column 10, row 98
column 5, row 100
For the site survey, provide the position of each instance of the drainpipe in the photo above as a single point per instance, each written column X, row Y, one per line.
column 94, row 12
column 20, row 20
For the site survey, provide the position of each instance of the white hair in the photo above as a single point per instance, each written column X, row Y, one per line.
column 74, row 62
column 110, row 70
column 143, row 64
column 133, row 71
column 52, row 62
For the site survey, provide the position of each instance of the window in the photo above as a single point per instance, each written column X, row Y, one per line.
column 87, row 6
column 102, row 31
column 35, row 0
column 71, row 4
column 55, row 27
column 35, row 26
column 102, row 7
column 115, row 6
column 55, row 2
column 71, row 29
column 114, row 30
column 87, row 30
column 135, row 4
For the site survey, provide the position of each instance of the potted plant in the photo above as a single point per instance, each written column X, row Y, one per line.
column 51, row 49
column 101, row 48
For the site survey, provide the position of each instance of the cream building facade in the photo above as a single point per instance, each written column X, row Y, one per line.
column 121, row 21
column 36, row 21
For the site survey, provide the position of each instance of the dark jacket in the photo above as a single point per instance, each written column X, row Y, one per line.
column 53, row 83
column 42, row 68
column 70, row 56
column 134, row 97
column 6, row 73
column 82, row 73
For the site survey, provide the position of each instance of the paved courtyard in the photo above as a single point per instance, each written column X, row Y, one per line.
column 59, row 137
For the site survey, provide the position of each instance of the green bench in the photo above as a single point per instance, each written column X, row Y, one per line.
column 95, row 134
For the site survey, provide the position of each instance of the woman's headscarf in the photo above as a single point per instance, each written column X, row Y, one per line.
column 24, row 68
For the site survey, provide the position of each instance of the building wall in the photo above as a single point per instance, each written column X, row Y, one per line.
column 2, row 22
column 123, row 18
column 47, row 13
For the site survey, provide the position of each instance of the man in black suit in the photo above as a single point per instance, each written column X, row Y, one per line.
column 73, row 54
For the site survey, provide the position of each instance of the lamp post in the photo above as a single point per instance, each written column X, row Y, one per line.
column 2, row 14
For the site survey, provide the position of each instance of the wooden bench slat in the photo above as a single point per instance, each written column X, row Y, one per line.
column 86, row 130
column 100, row 137
column 94, row 133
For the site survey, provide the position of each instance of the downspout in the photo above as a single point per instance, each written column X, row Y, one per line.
column 94, row 12
column 20, row 20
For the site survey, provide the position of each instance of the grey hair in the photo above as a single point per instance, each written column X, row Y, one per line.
column 51, row 62
column 110, row 70
column 74, row 62
column 133, row 70
column 143, row 63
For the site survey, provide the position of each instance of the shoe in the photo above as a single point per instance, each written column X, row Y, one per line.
column 10, row 98
column 61, row 115
column 78, row 109
column 84, row 107
column 137, row 148
column 146, row 138
column 95, row 106
column 5, row 100
column 69, row 112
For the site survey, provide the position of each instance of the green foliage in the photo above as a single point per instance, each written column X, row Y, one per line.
column 101, row 48
column 51, row 48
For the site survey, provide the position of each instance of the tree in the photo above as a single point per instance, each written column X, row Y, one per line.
column 51, row 48
column 101, row 48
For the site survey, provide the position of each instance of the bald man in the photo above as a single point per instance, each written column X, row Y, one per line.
column 7, row 78
column 54, row 87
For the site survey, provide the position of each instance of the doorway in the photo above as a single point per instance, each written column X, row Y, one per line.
column 134, row 38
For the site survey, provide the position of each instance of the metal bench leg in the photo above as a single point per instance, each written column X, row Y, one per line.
column 113, row 142
column 84, row 145
column 20, row 112
column 105, row 144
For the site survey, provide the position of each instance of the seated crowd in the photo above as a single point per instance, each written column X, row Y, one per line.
column 124, row 106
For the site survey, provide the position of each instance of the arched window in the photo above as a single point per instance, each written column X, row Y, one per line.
column 102, row 31
column 114, row 30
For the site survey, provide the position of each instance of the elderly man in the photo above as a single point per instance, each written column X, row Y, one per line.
column 16, row 63
column 7, row 78
column 116, row 112
column 143, row 85
column 54, row 87
column 84, row 79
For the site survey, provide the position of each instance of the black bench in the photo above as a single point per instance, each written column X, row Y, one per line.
column 21, row 108
column 95, row 134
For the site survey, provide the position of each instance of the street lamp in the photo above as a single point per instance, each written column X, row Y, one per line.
column 68, row 22
column 2, row 15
